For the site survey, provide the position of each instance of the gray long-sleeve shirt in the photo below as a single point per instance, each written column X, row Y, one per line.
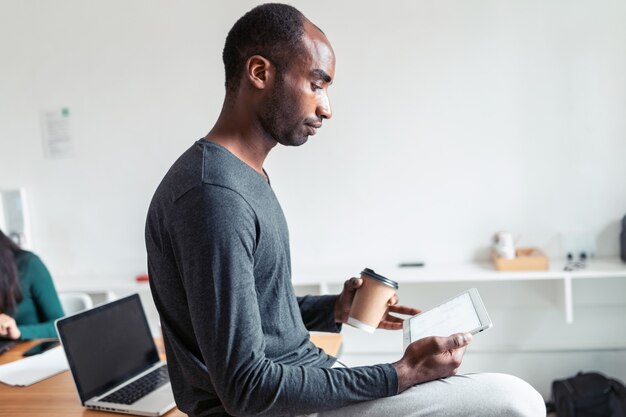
column 236, row 336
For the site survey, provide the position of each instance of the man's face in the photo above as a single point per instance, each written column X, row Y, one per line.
column 298, row 101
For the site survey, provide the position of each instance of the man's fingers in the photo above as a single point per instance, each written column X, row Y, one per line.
column 436, row 344
column 353, row 283
column 393, row 300
column 457, row 356
column 394, row 319
column 409, row 311
column 388, row 325
column 391, row 323
column 457, row 341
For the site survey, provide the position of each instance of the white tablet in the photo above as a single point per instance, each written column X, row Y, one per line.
column 464, row 313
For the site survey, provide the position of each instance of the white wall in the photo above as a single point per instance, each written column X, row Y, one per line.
column 452, row 120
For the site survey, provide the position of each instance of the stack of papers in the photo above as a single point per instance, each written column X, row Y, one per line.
column 33, row 369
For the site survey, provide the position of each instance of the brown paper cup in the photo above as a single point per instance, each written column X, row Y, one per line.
column 370, row 301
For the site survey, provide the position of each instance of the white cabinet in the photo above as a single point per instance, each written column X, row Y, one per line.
column 547, row 324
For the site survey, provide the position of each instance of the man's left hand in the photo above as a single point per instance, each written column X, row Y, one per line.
column 389, row 321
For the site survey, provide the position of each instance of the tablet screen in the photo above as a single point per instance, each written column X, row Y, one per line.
column 454, row 316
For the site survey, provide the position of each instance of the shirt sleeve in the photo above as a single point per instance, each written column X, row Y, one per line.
column 45, row 298
column 214, row 241
column 318, row 313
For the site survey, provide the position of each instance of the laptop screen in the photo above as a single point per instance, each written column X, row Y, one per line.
column 107, row 345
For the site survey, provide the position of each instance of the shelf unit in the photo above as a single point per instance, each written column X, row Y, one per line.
column 323, row 278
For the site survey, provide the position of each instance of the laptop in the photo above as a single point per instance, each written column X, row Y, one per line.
column 114, row 361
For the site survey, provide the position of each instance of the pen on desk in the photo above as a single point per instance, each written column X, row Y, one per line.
column 411, row 264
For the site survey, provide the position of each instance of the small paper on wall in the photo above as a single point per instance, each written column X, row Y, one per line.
column 57, row 135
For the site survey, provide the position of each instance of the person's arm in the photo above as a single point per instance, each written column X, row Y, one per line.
column 214, row 239
column 45, row 298
column 318, row 313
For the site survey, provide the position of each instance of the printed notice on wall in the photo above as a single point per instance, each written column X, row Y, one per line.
column 57, row 135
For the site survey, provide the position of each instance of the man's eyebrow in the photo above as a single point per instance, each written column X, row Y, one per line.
column 321, row 74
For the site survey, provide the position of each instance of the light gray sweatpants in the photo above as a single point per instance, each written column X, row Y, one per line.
column 471, row 395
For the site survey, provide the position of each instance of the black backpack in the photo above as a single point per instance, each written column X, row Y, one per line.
column 588, row 394
column 622, row 241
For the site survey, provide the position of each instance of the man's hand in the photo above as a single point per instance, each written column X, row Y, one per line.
column 8, row 327
column 389, row 322
column 431, row 358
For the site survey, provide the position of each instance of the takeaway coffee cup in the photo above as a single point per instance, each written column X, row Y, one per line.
column 370, row 301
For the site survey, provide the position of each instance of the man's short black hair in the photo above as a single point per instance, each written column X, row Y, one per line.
column 271, row 30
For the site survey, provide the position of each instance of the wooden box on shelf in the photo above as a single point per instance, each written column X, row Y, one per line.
column 526, row 259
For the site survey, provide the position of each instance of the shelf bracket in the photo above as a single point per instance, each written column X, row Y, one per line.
column 568, row 300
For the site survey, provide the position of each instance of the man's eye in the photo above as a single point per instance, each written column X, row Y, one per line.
column 315, row 87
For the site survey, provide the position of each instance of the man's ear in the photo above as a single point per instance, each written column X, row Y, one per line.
column 259, row 71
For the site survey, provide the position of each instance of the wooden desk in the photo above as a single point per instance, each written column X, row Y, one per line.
column 57, row 396
column 52, row 397
column 330, row 342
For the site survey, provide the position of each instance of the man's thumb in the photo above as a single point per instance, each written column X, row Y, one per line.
column 458, row 340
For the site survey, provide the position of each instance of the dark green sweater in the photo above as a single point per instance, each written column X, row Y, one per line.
column 40, row 307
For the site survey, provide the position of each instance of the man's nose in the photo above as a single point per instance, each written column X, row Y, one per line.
column 323, row 108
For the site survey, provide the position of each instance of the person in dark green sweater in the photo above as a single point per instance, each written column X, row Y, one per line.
column 29, row 303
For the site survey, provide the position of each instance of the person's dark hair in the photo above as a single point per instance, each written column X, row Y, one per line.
column 271, row 30
column 10, row 290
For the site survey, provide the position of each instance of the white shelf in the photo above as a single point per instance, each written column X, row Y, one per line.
column 323, row 278
column 107, row 288
column 100, row 287
column 469, row 272
column 462, row 271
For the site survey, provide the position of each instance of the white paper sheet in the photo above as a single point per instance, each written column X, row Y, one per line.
column 33, row 369
column 57, row 133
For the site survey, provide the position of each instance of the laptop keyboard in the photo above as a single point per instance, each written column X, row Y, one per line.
column 139, row 388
